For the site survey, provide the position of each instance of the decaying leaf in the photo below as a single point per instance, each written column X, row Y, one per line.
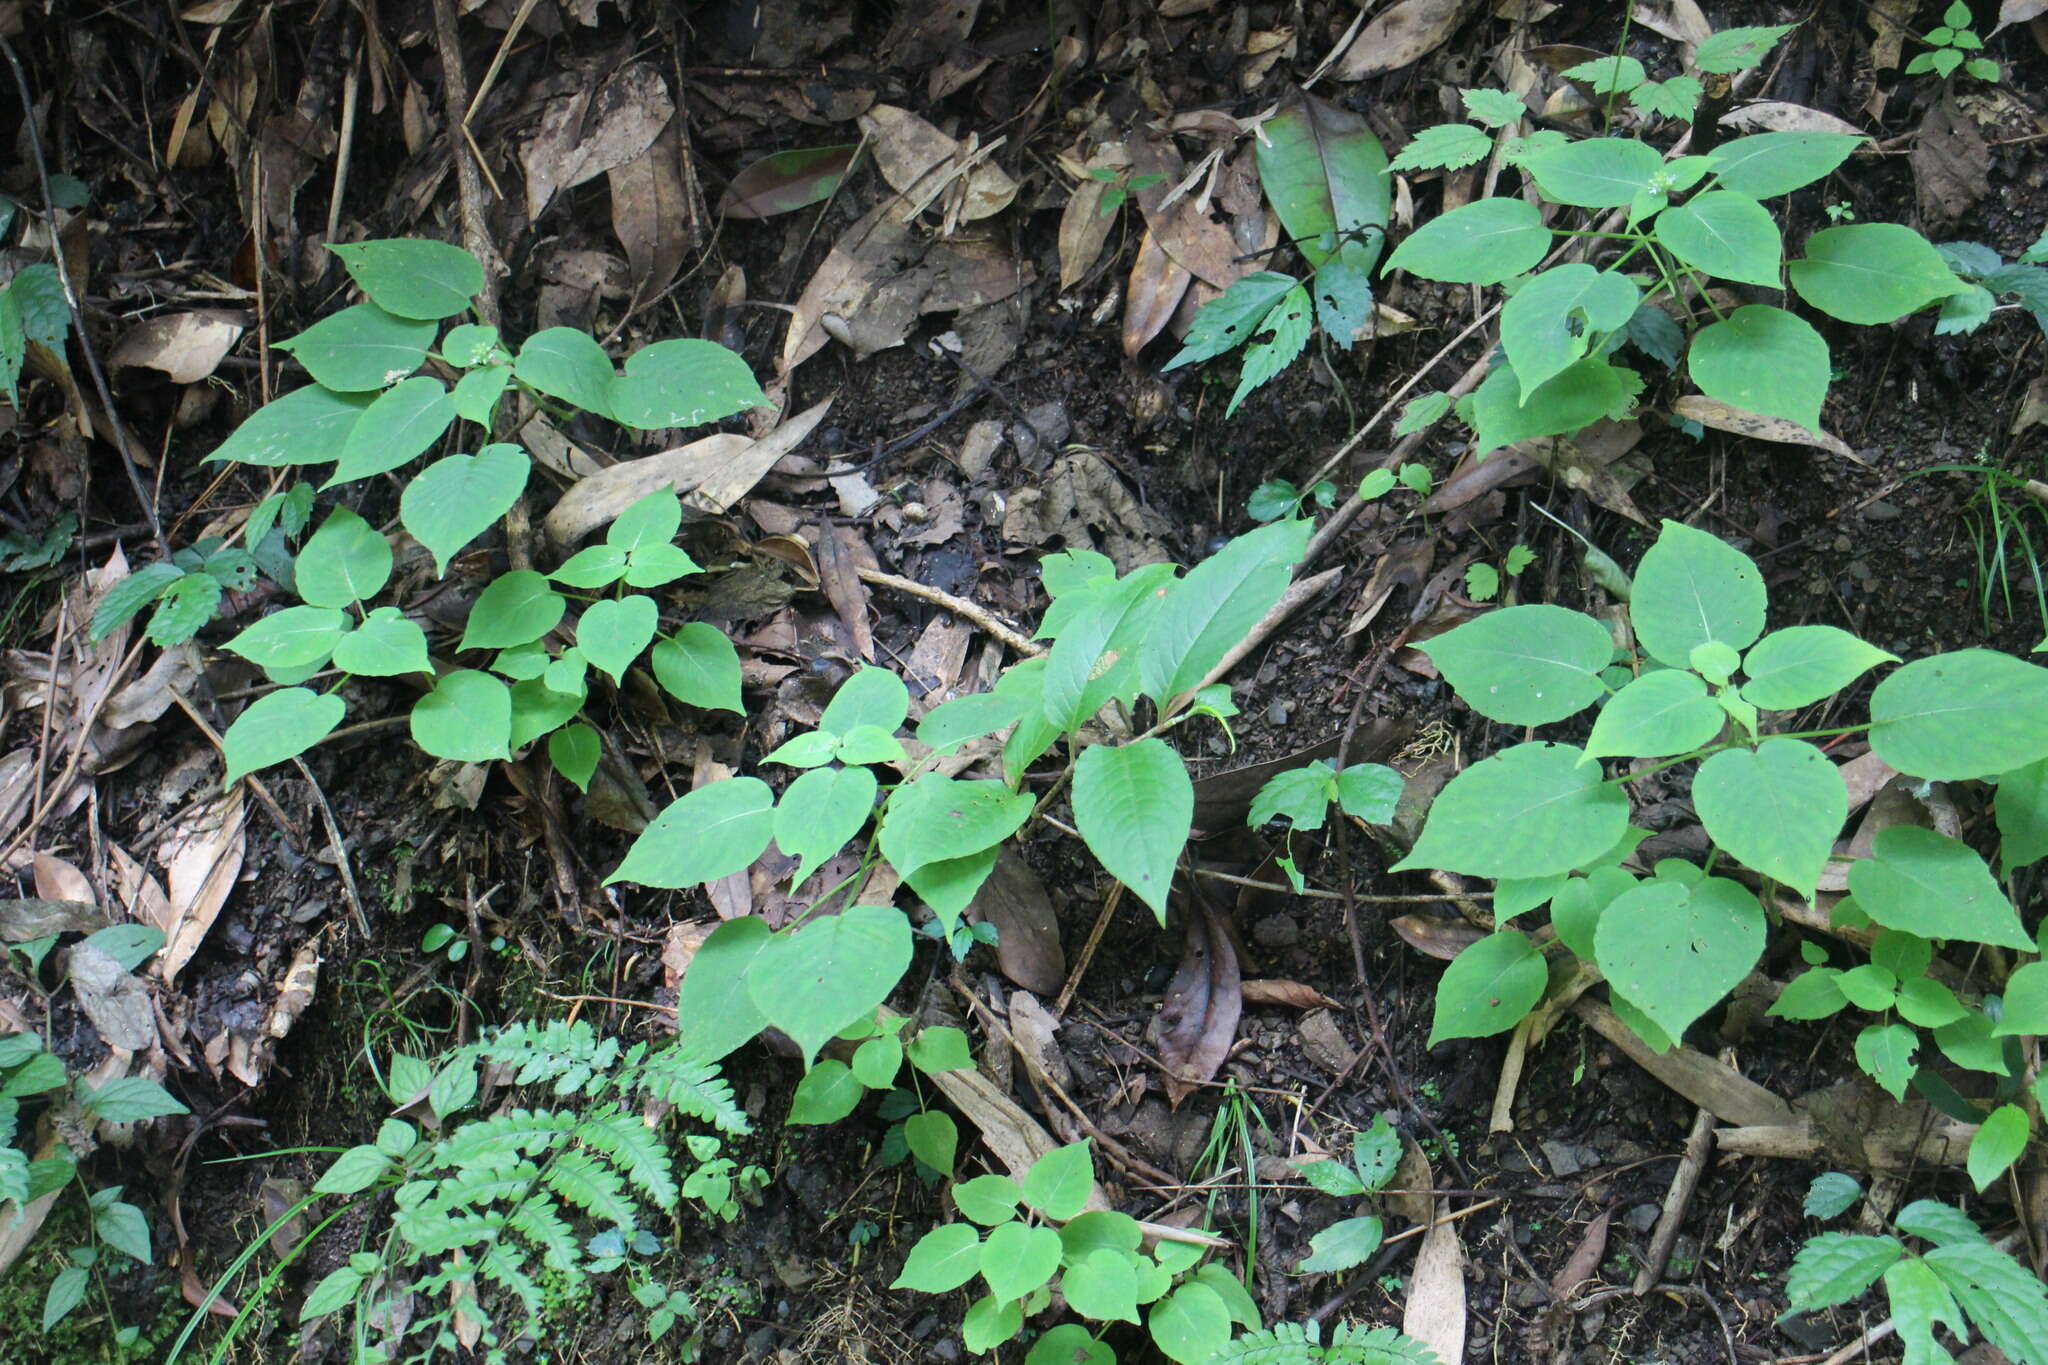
column 1035, row 1034
column 1157, row 285
column 1711, row 412
column 1197, row 1023
column 1951, row 164
column 842, row 553
column 295, row 993
column 185, row 346
column 113, row 999
column 201, row 857
column 651, row 213
column 1435, row 1311
column 1014, row 900
column 786, row 181
column 1291, row 994
column 32, row 918
column 712, row 473
column 584, row 135
column 1408, row 32
column 57, row 880
column 921, row 163
column 1777, row 116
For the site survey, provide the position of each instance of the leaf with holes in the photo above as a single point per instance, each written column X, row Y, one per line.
column 1488, row 987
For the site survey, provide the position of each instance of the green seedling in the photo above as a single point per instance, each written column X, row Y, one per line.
column 1954, row 46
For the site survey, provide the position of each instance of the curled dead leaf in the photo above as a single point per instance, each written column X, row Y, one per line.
column 185, row 346
column 1710, row 412
column 1408, row 32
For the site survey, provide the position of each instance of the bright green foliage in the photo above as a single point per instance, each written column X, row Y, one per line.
column 1325, row 174
column 1134, row 805
column 1962, row 1282
column 1350, row 1242
column 507, row 1217
column 1040, row 1233
column 32, row 309
column 1291, row 1343
column 1831, row 1193
column 31, row 1075
column 186, row 589
column 1542, row 819
column 1954, row 45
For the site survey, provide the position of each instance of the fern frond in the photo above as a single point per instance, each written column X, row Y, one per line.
column 499, row 1142
column 567, row 1055
column 1356, row 1344
column 1286, row 1343
column 635, row 1149
column 503, row 1265
column 478, row 1188
column 591, row 1186
column 538, row 1221
column 692, row 1085
column 441, row 1234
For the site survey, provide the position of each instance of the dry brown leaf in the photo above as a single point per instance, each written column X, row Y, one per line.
column 57, row 880
column 1292, row 994
column 2018, row 12
column 295, row 993
column 918, row 161
column 1710, row 412
column 115, row 1002
column 583, row 135
column 32, row 918
column 1197, row 1023
column 147, row 698
column 1035, row 1034
column 201, row 857
column 1679, row 20
column 1951, row 164
column 712, row 474
column 1777, row 116
column 1084, row 227
column 1014, row 900
column 186, row 346
column 1157, row 285
column 1891, row 23
column 650, row 213
column 1406, row 33
column 1442, row 939
column 1435, row 1312
column 840, row 550
column 1584, row 1262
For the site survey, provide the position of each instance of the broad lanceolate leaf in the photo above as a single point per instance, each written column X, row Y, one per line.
column 1762, row 359
column 1675, row 950
column 1778, row 808
column 343, row 563
column 714, row 1011
column 1483, row 242
column 1659, row 714
column 1528, row 811
column 1972, row 713
column 1724, row 234
column 1345, row 1244
column 938, row 818
column 828, row 973
column 309, row 425
column 1934, row 886
column 1799, row 665
column 1017, row 1258
column 279, row 726
column 1768, row 164
column 1886, row 1054
column 565, row 363
column 785, row 181
column 1134, row 805
column 1601, row 172
column 1871, row 273
column 1692, row 588
column 412, row 277
column 1325, row 174
column 293, row 638
column 682, row 383
column 1094, row 657
column 1288, row 326
column 1228, row 320
column 360, row 349
column 1488, row 988
column 1835, row 1267
column 1581, row 395
column 516, row 609
column 709, row 833
column 468, row 716
column 1549, row 322
column 404, row 421
column 699, row 667
column 819, row 812
column 2000, row 1140
column 454, row 500
column 870, row 696
column 1219, row 601
column 1527, row 665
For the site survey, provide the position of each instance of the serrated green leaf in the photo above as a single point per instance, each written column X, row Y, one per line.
column 1288, row 325
column 703, row 835
column 279, row 726
column 1227, row 321
column 1529, row 811
column 1447, row 146
column 1778, row 808
column 1134, row 805
column 1527, row 665
column 2004, row 1300
column 454, row 500
column 1970, row 713
column 1738, row 49
column 1836, row 1267
column 1830, row 1194
column 1676, row 98
column 1494, row 108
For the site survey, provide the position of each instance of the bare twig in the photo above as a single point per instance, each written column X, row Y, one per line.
column 959, row 606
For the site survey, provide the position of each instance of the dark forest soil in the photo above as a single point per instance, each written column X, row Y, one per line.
column 1878, row 545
